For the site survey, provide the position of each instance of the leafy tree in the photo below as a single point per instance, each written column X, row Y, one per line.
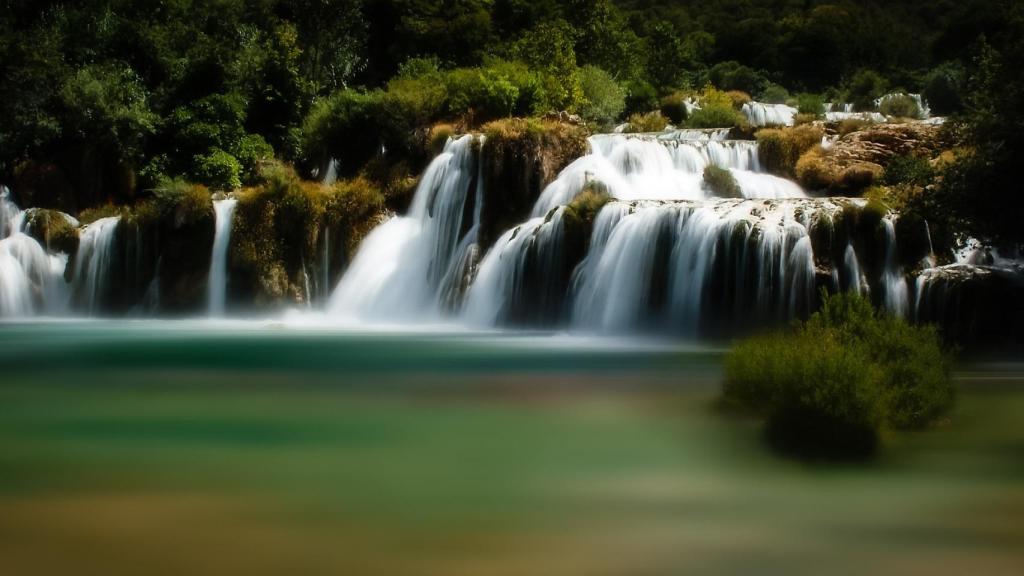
column 548, row 48
column 603, row 98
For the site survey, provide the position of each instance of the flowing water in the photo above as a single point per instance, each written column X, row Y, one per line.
column 204, row 447
column 224, row 211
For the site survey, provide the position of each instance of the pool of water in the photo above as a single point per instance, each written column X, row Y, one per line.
column 190, row 447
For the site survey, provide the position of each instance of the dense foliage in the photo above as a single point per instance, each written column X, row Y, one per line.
column 831, row 386
column 108, row 97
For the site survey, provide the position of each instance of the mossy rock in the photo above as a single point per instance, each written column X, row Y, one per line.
column 519, row 158
column 53, row 229
column 721, row 182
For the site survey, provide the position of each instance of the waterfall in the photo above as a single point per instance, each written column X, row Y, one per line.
column 761, row 114
column 851, row 267
column 331, row 174
column 10, row 214
column 93, row 263
column 399, row 270
column 217, row 281
column 894, row 285
column 499, row 291
column 668, row 266
column 31, row 281
column 663, row 167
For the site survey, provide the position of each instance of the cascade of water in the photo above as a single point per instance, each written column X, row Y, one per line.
column 93, row 262
column 663, row 167
column 852, row 269
column 10, row 214
column 217, row 280
column 742, row 260
column 894, row 285
column 331, row 174
column 399, row 270
column 761, row 114
column 499, row 291
column 30, row 280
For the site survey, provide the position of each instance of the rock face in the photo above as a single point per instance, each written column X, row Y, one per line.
column 519, row 158
column 878, row 144
column 857, row 160
column 975, row 306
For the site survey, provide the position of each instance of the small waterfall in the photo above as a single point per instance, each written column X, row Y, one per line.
column 399, row 270
column 663, row 167
column 851, row 267
column 499, row 292
column 10, row 214
column 93, row 263
column 331, row 174
column 217, row 281
column 894, row 285
column 31, row 282
column 687, row 266
column 761, row 114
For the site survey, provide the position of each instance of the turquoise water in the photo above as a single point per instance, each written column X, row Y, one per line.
column 269, row 447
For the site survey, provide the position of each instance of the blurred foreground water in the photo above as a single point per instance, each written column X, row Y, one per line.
column 245, row 448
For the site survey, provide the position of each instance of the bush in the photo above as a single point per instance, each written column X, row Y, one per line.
column 650, row 122
column 738, row 98
column 830, row 386
column 865, row 87
column 251, row 150
column 900, row 106
column 775, row 94
column 943, row 89
column 673, row 107
column 908, row 169
column 851, row 125
column 641, row 97
column 217, row 169
column 715, row 116
column 735, row 76
column 603, row 98
column 721, row 182
column 779, row 149
column 813, row 172
column 810, row 104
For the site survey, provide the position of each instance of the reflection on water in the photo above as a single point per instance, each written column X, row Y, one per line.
column 198, row 448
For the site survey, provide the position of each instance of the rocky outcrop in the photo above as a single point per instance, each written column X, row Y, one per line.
column 519, row 158
column 975, row 306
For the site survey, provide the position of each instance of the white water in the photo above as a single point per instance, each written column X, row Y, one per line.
column 217, row 281
column 91, row 281
column 399, row 269
column 761, row 114
column 31, row 281
column 644, row 167
column 894, row 285
column 755, row 253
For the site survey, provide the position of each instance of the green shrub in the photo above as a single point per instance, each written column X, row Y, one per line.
column 865, row 87
column 603, row 98
column 735, row 76
column 900, row 106
column 251, row 150
column 715, row 116
column 673, row 107
column 650, row 122
column 779, row 149
column 813, row 172
column 944, row 88
column 641, row 97
column 217, row 169
column 851, row 125
column 721, row 182
column 908, row 169
column 807, row 103
column 829, row 387
column 775, row 94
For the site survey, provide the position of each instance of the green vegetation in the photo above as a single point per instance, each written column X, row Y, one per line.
column 831, row 386
column 105, row 99
column 650, row 122
column 780, row 148
column 900, row 106
column 721, row 182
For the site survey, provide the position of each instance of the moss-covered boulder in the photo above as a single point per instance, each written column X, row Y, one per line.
column 779, row 149
column 169, row 236
column 519, row 158
column 293, row 238
column 55, row 230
